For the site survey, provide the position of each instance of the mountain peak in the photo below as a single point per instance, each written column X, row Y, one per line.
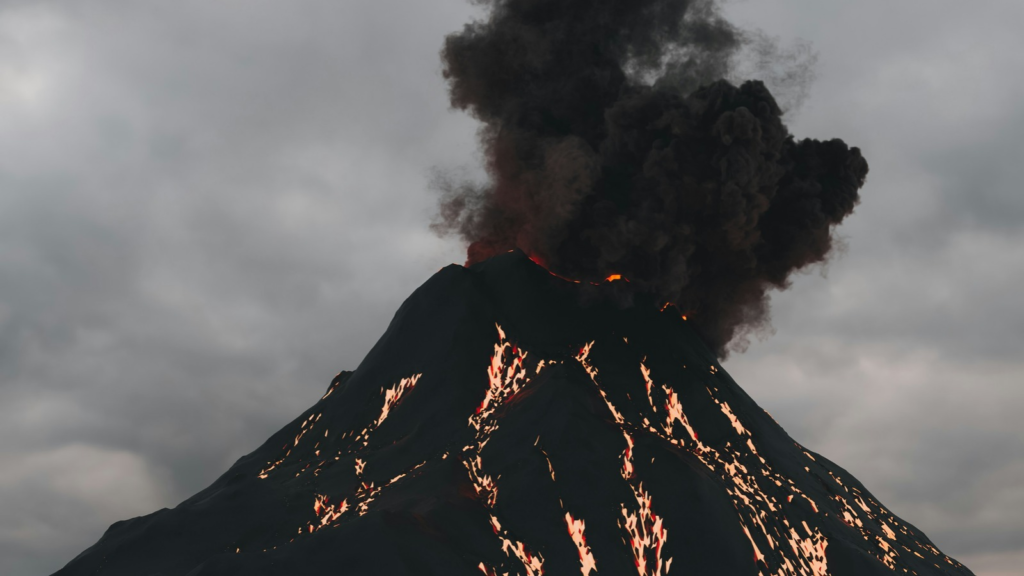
column 512, row 422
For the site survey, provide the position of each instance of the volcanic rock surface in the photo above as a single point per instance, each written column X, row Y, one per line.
column 510, row 422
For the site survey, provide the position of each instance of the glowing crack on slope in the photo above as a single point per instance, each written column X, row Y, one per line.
column 506, row 376
column 645, row 530
column 326, row 513
column 862, row 513
column 392, row 396
column 307, row 425
column 803, row 556
column 780, row 549
column 331, row 389
column 647, row 535
column 579, row 538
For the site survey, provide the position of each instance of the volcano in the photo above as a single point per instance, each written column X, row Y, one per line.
column 510, row 422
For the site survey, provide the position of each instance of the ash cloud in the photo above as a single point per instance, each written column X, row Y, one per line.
column 614, row 145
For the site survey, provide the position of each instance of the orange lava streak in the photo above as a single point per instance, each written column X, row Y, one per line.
column 647, row 534
column 506, row 376
column 648, row 383
column 611, row 277
column 307, row 425
column 875, row 527
column 394, row 395
column 668, row 305
column 308, row 422
column 533, row 563
column 755, row 506
column 365, row 494
column 330, row 390
column 627, row 457
column 576, row 531
column 584, row 359
column 736, row 424
column 483, row 484
column 536, row 260
column 674, row 413
column 811, row 549
column 551, row 469
column 326, row 512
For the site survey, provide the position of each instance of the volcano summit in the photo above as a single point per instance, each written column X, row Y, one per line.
column 511, row 422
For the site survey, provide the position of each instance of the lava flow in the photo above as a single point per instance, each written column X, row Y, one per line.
column 611, row 277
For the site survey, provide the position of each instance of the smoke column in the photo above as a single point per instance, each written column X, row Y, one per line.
column 613, row 146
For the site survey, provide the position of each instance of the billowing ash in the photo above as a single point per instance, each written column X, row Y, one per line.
column 612, row 148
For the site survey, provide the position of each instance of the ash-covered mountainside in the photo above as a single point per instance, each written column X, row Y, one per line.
column 510, row 422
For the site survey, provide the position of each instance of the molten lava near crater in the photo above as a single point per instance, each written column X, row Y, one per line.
column 505, row 425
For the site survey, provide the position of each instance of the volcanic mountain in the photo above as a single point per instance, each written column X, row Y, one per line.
column 510, row 422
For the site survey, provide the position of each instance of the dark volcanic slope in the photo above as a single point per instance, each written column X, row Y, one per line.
column 502, row 427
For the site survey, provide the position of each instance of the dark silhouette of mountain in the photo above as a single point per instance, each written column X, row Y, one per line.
column 511, row 422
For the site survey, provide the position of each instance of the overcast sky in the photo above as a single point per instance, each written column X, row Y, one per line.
column 207, row 209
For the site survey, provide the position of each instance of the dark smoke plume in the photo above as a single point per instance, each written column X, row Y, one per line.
column 613, row 147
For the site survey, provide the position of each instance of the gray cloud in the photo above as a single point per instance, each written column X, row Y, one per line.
column 208, row 209
column 982, row 180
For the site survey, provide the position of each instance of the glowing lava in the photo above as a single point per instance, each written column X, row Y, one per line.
column 506, row 375
column 610, row 278
column 579, row 538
